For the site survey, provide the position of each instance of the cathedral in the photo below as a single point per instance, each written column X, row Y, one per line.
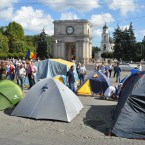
column 107, row 43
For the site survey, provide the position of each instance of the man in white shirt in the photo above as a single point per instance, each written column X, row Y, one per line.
column 82, row 72
column 139, row 67
column 110, row 92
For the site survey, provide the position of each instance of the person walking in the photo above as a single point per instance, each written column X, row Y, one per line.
column 83, row 72
column 71, row 79
column 118, row 73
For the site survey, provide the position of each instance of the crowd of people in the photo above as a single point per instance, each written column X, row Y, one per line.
column 18, row 70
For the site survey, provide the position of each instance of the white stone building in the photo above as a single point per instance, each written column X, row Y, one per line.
column 106, row 43
column 74, row 40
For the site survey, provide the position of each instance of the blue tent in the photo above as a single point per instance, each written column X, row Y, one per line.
column 53, row 67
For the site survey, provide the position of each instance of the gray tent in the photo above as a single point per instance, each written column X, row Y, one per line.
column 49, row 99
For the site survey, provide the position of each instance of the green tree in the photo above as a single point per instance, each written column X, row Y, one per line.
column 42, row 46
column 125, row 42
column 31, row 42
column 143, row 49
column 118, row 50
column 4, row 48
column 95, row 51
column 15, row 34
column 50, row 43
column 3, row 29
column 131, row 43
column 107, row 55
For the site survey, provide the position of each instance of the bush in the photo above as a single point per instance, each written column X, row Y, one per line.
column 3, row 55
column 21, row 55
column 107, row 55
column 16, row 55
column 10, row 55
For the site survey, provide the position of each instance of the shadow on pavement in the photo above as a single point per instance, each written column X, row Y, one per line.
column 9, row 110
column 99, row 117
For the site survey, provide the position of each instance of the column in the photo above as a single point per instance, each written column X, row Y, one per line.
column 55, row 50
column 63, row 51
column 59, row 50
column 77, row 51
column 90, row 47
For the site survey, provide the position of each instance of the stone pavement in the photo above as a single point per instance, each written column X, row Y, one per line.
column 87, row 128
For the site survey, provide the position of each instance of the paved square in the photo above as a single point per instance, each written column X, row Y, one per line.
column 87, row 128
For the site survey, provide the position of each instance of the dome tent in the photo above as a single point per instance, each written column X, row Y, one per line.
column 129, row 114
column 96, row 82
column 49, row 99
column 10, row 94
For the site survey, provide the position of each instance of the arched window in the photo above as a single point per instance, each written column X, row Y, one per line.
column 104, row 47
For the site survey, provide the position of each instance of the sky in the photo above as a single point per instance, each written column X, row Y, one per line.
column 34, row 15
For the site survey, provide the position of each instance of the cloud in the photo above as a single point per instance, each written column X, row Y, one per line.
column 80, row 5
column 34, row 20
column 124, row 6
column 6, row 14
column 124, row 27
column 68, row 16
column 100, row 19
column 30, row 19
column 142, row 32
column 6, row 9
column 97, row 33
column 7, row 3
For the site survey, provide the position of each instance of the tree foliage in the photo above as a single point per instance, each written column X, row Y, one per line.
column 107, row 55
column 125, row 42
column 42, row 46
column 15, row 34
column 94, row 51
column 4, row 48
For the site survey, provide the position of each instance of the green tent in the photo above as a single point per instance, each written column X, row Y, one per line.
column 10, row 94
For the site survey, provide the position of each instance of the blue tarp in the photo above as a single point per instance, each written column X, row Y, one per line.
column 50, row 68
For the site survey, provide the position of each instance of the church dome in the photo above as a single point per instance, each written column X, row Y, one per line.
column 105, row 26
column 111, row 40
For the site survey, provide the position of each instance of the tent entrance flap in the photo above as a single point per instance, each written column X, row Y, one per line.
column 85, row 89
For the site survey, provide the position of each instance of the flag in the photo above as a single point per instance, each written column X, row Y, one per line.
column 30, row 54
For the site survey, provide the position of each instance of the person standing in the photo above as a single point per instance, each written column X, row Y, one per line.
column 83, row 72
column 102, row 67
column 2, row 71
column 20, row 75
column 35, row 71
column 30, row 71
column 110, row 69
column 114, row 70
column 118, row 73
column 8, row 70
column 78, row 69
column 12, row 71
column 71, row 79
column 139, row 67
